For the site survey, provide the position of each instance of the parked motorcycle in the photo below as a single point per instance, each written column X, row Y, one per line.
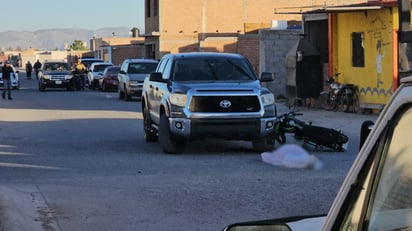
column 317, row 136
column 339, row 96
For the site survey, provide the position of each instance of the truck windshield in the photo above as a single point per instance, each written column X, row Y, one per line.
column 212, row 69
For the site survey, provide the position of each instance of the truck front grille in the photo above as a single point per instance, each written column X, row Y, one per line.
column 224, row 104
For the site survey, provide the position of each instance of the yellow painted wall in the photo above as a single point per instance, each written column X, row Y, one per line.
column 377, row 26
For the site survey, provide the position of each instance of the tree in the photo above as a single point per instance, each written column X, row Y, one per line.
column 78, row 45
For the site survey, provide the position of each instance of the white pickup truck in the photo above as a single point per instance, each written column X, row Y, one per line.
column 377, row 192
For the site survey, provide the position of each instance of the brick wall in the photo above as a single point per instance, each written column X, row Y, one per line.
column 130, row 52
column 248, row 46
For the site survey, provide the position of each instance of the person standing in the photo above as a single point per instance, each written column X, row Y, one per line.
column 7, row 71
column 29, row 69
column 37, row 66
column 80, row 70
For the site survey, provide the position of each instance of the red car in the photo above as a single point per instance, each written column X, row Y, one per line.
column 108, row 80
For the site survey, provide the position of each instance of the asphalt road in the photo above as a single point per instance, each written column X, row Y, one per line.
column 78, row 161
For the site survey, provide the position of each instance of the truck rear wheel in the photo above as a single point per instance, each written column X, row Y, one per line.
column 169, row 144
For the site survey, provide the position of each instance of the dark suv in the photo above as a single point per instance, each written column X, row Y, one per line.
column 55, row 74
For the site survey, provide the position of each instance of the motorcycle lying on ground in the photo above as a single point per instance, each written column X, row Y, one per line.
column 317, row 136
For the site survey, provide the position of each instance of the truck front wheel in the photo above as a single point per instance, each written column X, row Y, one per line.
column 264, row 144
column 169, row 144
column 150, row 135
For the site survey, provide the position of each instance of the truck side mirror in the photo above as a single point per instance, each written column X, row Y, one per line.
column 366, row 128
column 267, row 77
column 156, row 77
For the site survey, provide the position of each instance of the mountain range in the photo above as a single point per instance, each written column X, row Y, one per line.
column 50, row 39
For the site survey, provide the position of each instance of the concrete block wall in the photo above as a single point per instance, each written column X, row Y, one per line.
column 274, row 45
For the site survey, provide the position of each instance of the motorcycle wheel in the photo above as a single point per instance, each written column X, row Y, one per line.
column 326, row 102
column 345, row 102
column 355, row 103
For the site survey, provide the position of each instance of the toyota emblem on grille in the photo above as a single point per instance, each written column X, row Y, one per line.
column 225, row 103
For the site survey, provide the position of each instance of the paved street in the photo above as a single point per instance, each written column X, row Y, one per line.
column 78, row 161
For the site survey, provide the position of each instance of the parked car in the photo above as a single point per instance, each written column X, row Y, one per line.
column 93, row 73
column 377, row 191
column 15, row 82
column 108, row 78
column 131, row 76
column 55, row 74
column 88, row 61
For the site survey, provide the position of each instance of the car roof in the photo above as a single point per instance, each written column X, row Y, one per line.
column 86, row 59
column 100, row 63
column 1, row 65
column 55, row 61
column 142, row 61
column 205, row 54
column 113, row 67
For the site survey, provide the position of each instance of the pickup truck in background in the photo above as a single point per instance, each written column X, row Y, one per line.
column 194, row 96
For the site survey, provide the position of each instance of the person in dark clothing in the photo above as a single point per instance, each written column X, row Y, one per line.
column 80, row 70
column 6, row 70
column 37, row 66
column 29, row 69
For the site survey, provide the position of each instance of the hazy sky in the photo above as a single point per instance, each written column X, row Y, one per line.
column 32, row 15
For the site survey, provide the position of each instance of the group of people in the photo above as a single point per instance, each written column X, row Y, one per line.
column 29, row 69
column 7, row 71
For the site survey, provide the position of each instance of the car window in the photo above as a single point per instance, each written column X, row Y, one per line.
column 141, row 68
column 56, row 67
column 112, row 71
column 88, row 62
column 100, row 68
column 392, row 204
column 212, row 69
column 384, row 197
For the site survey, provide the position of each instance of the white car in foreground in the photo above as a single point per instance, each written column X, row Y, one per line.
column 377, row 192
column 15, row 82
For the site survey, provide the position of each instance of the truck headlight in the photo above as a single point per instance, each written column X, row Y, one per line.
column 46, row 77
column 178, row 99
column 133, row 84
column 267, row 99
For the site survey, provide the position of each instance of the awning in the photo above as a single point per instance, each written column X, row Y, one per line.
column 326, row 9
column 319, row 9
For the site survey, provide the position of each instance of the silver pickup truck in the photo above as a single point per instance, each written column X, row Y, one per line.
column 201, row 95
